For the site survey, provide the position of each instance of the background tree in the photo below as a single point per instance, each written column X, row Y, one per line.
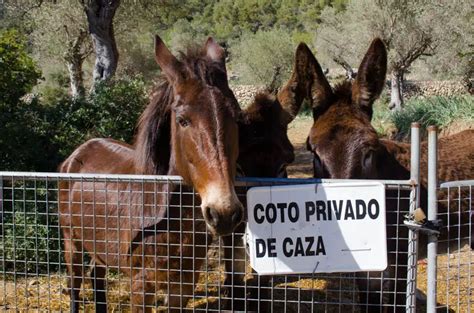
column 100, row 15
column 263, row 58
column 62, row 30
column 410, row 30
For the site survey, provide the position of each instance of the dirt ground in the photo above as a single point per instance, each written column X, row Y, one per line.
column 455, row 277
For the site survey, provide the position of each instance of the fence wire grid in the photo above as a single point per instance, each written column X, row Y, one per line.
column 178, row 266
column 455, row 261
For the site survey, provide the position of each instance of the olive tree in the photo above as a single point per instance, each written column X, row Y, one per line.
column 410, row 29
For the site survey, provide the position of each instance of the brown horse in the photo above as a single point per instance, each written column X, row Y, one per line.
column 264, row 151
column 345, row 145
column 188, row 129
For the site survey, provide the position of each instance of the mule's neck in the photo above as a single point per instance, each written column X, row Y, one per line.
column 397, row 160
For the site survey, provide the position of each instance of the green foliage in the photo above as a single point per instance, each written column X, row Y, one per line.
column 439, row 111
column 257, row 58
column 37, row 136
column 111, row 111
column 31, row 240
column 18, row 72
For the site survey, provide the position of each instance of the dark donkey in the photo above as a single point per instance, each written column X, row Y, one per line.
column 264, row 151
column 345, row 145
column 188, row 129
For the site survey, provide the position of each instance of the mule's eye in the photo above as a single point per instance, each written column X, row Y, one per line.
column 182, row 121
column 282, row 173
column 318, row 168
column 239, row 170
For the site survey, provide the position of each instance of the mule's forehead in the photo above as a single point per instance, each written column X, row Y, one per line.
column 342, row 124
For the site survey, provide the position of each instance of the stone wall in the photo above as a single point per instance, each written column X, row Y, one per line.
column 434, row 88
column 246, row 93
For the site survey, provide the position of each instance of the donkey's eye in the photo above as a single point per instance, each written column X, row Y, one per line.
column 182, row 121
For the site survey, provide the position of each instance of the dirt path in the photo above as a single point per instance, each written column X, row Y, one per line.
column 298, row 131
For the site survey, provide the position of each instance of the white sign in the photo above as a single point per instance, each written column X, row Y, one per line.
column 317, row 228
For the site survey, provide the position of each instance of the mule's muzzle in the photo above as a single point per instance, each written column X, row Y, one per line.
column 223, row 223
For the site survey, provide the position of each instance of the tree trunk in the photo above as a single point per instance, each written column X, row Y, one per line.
column 100, row 15
column 77, row 51
column 396, row 95
column 76, row 80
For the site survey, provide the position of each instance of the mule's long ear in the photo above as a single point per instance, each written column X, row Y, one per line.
column 172, row 68
column 214, row 51
column 307, row 81
column 370, row 76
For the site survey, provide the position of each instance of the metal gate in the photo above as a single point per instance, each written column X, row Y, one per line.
column 34, row 276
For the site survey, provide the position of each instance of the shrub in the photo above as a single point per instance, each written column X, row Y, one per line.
column 111, row 112
column 30, row 241
column 258, row 57
column 18, row 72
column 439, row 111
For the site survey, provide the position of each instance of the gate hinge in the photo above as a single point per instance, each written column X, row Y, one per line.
column 418, row 221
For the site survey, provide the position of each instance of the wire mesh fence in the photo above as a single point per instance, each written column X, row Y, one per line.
column 90, row 228
column 455, row 262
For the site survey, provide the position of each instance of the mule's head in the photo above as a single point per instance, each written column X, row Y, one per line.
column 342, row 140
column 265, row 150
column 204, row 132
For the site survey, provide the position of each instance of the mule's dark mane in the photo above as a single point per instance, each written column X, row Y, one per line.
column 343, row 90
column 152, row 141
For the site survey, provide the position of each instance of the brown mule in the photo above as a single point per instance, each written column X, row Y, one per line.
column 345, row 145
column 188, row 129
column 264, row 151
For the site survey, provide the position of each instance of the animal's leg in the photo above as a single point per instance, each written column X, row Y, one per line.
column 98, row 283
column 142, row 292
column 74, row 261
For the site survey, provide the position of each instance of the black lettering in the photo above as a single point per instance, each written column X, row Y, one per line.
column 286, row 241
column 260, row 247
column 373, row 214
column 310, row 209
column 258, row 219
column 329, row 211
column 271, row 247
column 360, row 209
column 271, row 218
column 293, row 212
column 349, row 210
column 309, row 247
column 320, row 246
column 299, row 247
column 282, row 207
column 321, row 209
column 337, row 209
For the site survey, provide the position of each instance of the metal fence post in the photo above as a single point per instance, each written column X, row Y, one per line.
column 432, row 215
column 414, row 203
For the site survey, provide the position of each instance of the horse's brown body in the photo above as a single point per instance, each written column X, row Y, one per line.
column 189, row 129
column 345, row 145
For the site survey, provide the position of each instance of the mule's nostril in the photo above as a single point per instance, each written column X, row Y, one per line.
column 212, row 216
column 237, row 217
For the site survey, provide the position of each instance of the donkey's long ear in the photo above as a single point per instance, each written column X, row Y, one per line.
column 307, row 81
column 172, row 68
column 370, row 76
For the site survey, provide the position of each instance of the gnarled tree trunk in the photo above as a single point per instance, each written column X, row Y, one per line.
column 100, row 15
column 396, row 94
column 77, row 51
